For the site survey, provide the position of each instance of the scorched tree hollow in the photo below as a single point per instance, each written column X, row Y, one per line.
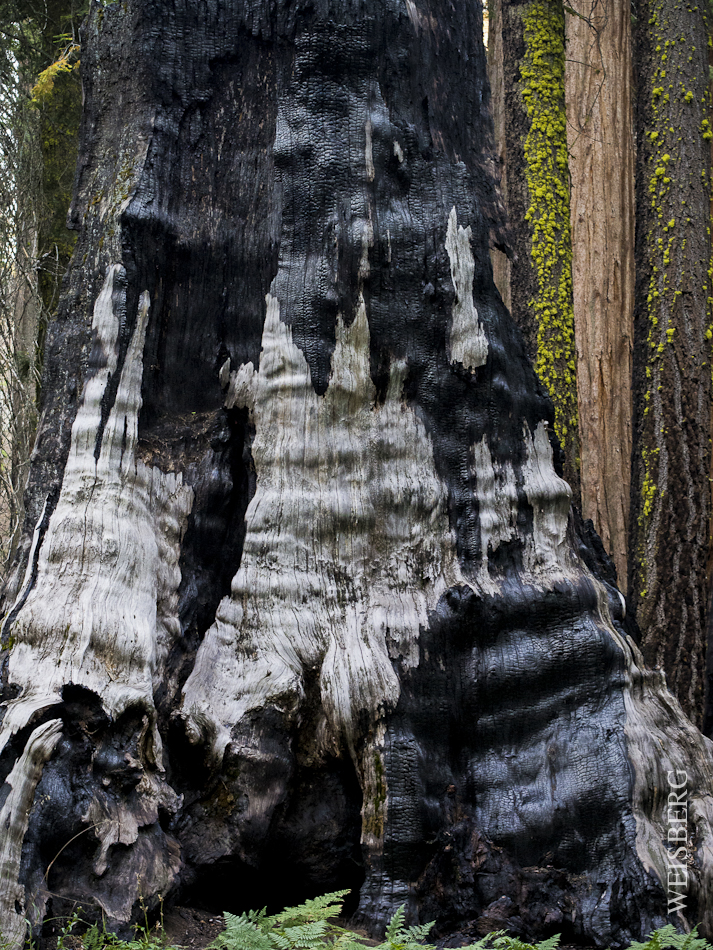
column 301, row 601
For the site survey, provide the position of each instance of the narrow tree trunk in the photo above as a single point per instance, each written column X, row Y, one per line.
column 530, row 37
column 670, row 496
column 20, row 302
column 502, row 264
column 601, row 162
column 303, row 602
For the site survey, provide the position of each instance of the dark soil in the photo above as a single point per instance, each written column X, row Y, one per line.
column 191, row 928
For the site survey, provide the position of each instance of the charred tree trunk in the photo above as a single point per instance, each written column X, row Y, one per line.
column 601, row 163
column 302, row 602
column 670, row 493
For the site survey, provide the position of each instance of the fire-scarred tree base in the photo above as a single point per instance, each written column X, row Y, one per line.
column 302, row 603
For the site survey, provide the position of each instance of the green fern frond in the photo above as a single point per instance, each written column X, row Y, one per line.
column 396, row 925
column 306, row 935
column 419, row 932
column 259, row 919
column 485, row 943
column 400, row 937
column 507, row 942
column 668, row 936
column 316, row 908
column 241, row 933
column 654, row 940
column 692, row 941
column 92, row 939
column 499, row 940
column 344, row 940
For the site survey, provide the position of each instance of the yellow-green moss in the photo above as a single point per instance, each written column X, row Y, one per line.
column 548, row 214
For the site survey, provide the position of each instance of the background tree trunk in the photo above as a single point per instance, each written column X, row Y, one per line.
column 532, row 142
column 38, row 151
column 670, row 494
column 601, row 162
column 302, row 601
column 501, row 257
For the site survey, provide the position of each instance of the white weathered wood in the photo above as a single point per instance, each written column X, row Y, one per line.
column 467, row 342
column 109, row 557
column 102, row 611
column 660, row 740
column 347, row 547
column 549, row 495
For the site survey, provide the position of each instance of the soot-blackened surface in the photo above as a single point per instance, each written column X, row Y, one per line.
column 506, row 684
column 202, row 235
column 315, row 151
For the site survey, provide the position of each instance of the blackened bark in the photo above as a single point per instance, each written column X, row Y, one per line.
column 670, row 493
column 305, row 604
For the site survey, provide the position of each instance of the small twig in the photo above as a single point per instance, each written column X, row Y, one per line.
column 79, row 834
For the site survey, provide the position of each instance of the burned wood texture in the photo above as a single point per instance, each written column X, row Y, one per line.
column 302, row 602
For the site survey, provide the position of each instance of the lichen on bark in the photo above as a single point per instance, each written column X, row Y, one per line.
column 547, row 174
column 670, row 494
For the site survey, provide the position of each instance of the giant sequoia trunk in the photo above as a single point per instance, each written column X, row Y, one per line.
column 301, row 601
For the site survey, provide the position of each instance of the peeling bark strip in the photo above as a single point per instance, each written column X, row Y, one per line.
column 598, row 73
column 670, row 493
column 312, row 594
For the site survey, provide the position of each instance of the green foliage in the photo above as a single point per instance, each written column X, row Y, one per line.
column 399, row 937
column 305, row 927
column 668, row 936
column 308, row 926
column 499, row 940
column 99, row 938
column 65, row 63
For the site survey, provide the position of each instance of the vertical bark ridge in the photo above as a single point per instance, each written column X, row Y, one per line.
column 502, row 264
column 670, row 495
column 601, row 161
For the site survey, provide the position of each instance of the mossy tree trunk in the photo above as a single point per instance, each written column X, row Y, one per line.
column 598, row 75
column 670, row 493
column 532, row 139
